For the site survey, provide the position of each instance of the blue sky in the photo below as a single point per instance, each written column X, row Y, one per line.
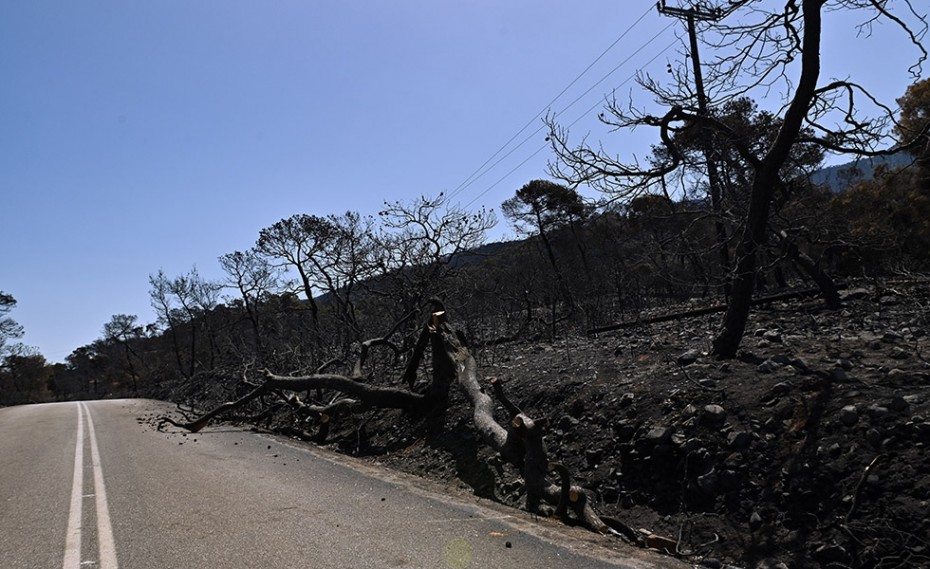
column 145, row 136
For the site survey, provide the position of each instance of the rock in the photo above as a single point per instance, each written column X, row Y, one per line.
column 780, row 388
column 898, row 404
column 626, row 399
column 755, row 521
column 688, row 357
column 844, row 364
column 708, row 482
column 657, row 435
column 891, row 337
column 739, row 440
column 899, row 353
column 707, row 383
column 839, row 375
column 897, row 376
column 877, row 412
column 923, row 431
column 912, row 399
column 713, row 414
column 773, row 336
column 768, row 366
column 567, row 422
column 782, row 359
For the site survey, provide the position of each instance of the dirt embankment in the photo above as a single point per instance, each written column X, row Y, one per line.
column 809, row 450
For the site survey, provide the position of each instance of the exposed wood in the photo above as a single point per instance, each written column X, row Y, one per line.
column 498, row 388
column 520, row 443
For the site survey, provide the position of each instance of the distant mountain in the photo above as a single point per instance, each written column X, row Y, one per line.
column 840, row 177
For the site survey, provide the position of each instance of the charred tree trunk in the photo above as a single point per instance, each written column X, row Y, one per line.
column 520, row 442
column 830, row 293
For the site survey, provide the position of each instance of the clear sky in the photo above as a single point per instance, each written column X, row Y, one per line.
column 138, row 136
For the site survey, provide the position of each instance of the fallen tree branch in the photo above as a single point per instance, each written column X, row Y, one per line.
column 858, row 491
column 806, row 293
column 521, row 444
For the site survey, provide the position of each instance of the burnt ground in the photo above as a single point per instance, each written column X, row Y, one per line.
column 808, row 450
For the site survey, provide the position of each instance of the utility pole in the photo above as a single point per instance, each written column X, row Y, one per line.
column 691, row 15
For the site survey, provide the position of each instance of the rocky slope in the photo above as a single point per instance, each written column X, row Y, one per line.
column 809, row 450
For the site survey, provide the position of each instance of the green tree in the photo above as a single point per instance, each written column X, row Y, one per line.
column 123, row 330
column 542, row 207
column 9, row 328
column 913, row 123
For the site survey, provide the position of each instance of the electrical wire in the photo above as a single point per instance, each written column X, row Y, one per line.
column 478, row 173
column 581, row 116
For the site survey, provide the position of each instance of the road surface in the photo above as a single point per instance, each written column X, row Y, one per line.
column 92, row 486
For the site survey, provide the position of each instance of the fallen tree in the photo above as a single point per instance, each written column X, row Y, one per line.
column 518, row 442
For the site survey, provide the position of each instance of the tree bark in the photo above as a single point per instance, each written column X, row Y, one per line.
column 765, row 181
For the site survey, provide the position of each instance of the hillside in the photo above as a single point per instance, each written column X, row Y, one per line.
column 839, row 177
column 809, row 450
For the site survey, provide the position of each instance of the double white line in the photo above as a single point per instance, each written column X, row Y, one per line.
column 105, row 544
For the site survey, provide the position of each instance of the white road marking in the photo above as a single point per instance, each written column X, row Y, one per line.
column 73, row 537
column 104, row 529
column 105, row 543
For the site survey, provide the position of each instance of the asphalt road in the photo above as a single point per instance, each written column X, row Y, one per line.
column 93, row 486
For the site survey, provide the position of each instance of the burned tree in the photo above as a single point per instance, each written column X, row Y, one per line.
column 756, row 49
column 518, row 440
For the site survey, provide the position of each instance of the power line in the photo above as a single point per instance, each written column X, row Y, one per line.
column 475, row 175
column 464, row 186
column 581, row 116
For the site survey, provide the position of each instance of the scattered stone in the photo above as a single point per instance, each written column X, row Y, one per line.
column 844, row 364
column 923, row 431
column 898, row 376
column 773, row 336
column 708, row 482
column 713, row 414
column 899, row 353
column 689, row 357
column 849, row 415
column 657, row 435
column 768, row 366
column 780, row 388
column 839, row 375
column 898, row 404
column 567, row 422
column 782, row 359
column 739, row 440
column 877, row 412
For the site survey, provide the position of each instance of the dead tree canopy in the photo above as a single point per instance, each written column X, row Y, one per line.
column 758, row 50
column 518, row 439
